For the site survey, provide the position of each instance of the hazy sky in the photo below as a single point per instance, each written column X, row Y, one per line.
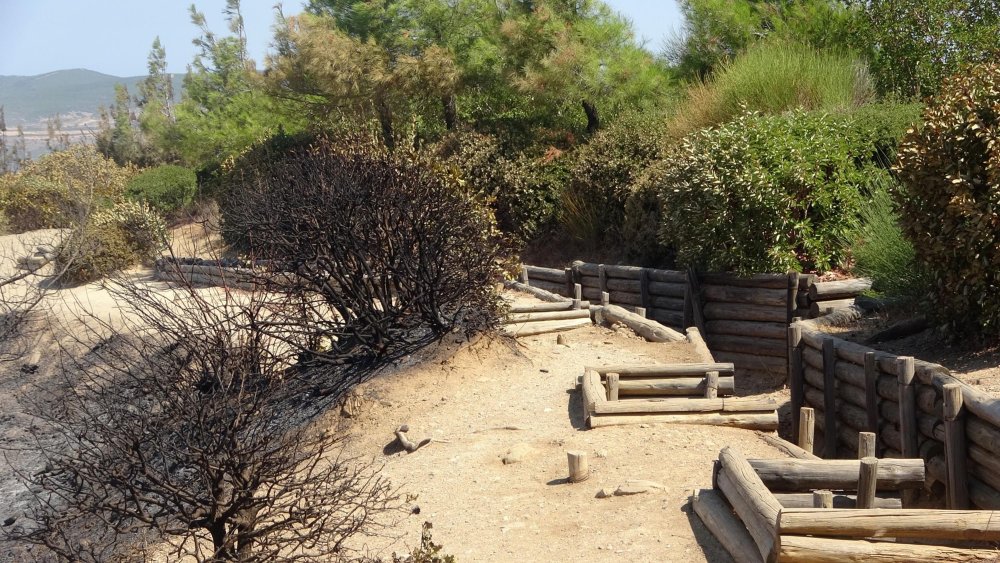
column 114, row 36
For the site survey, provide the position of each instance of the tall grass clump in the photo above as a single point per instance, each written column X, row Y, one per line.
column 880, row 249
column 773, row 77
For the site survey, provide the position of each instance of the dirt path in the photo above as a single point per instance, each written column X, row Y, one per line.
column 480, row 401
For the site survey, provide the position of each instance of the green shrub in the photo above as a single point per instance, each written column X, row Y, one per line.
column 641, row 224
column 602, row 177
column 93, row 252
column 58, row 189
column 144, row 229
column 881, row 251
column 763, row 193
column 880, row 127
column 950, row 172
column 522, row 191
column 166, row 188
column 773, row 77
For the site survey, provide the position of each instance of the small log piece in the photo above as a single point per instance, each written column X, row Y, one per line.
column 579, row 467
column 866, row 482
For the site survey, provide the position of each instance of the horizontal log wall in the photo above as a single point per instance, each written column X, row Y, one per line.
column 870, row 393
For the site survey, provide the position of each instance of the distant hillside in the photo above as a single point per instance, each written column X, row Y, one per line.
column 30, row 99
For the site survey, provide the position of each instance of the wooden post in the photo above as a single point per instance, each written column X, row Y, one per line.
column 905, row 372
column 866, row 482
column 568, row 272
column 577, row 292
column 871, row 396
column 751, row 500
column 823, row 499
column 866, row 445
column 612, row 386
column 711, row 384
column 830, row 422
column 579, row 468
column 602, row 277
column 807, row 427
column 795, row 375
column 641, row 311
column 694, row 288
column 524, row 275
column 793, row 294
column 688, row 306
column 605, row 298
column 644, row 289
column 955, row 448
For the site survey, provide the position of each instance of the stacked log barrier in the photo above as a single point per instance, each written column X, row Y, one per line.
column 903, row 402
column 232, row 274
column 822, row 297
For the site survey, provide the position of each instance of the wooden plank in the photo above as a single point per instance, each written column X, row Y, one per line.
column 829, row 398
column 753, row 502
column 718, row 517
column 673, row 386
column 794, row 475
column 665, row 370
column 801, row 549
column 748, row 420
column 956, row 451
column 954, row 525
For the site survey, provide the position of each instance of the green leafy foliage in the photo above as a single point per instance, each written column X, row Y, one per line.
column 950, row 172
column 773, row 77
column 642, row 217
column 428, row 552
column 166, row 188
column 763, row 193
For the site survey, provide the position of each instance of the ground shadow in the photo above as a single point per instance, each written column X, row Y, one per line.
column 710, row 546
column 574, row 409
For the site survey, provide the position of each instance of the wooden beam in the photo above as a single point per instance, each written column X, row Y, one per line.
column 718, row 517
column 839, row 500
column 673, row 386
column 830, row 421
column 866, row 482
column 665, row 370
column 954, row 525
column 753, row 502
column 956, row 450
column 794, row 475
column 749, row 420
column 800, row 549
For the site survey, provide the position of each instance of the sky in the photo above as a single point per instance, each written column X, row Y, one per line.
column 114, row 36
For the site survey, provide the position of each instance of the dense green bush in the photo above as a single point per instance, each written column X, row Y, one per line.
column 879, row 249
column 58, row 189
column 643, row 214
column 166, row 188
column 111, row 240
column 602, row 175
column 763, row 193
column 773, row 77
column 522, row 191
column 950, row 171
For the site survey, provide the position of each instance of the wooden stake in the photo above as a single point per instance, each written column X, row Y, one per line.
column 866, row 482
column 568, row 272
column 795, row 375
column 906, row 371
column 577, row 292
column 605, row 298
column 579, row 468
column 956, row 448
column 822, row 499
column 612, row 379
column 830, row 422
column 807, row 428
column 866, row 445
column 755, row 505
column 524, row 275
column 711, row 385
column 641, row 311
column 718, row 517
column 872, row 399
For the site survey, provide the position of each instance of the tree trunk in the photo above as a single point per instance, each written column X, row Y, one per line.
column 593, row 121
column 450, row 111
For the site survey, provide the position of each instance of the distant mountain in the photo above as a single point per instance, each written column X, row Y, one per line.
column 29, row 100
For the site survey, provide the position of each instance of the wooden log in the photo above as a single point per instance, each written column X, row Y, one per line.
column 749, row 420
column 752, row 296
column 829, row 397
column 515, row 318
column 547, row 274
column 523, row 277
column 667, row 317
column 763, row 281
column 644, row 288
column 866, row 445
column 795, row 381
column 866, row 482
column 908, row 428
column 794, row 475
column 696, row 302
column 612, row 271
column 674, row 386
column 821, row 499
column 952, row 525
column 545, row 327
column 718, row 517
column 551, row 287
column 749, row 345
column 665, row 370
column 664, row 289
column 742, row 312
column 840, row 289
column 612, row 383
column 675, row 277
column 819, row 308
column 544, row 307
column 956, row 451
column 711, row 385
column 628, row 286
column 682, row 405
column 787, row 447
column 605, row 298
column 871, row 396
column 578, row 293
column 981, row 495
column 775, row 331
column 701, row 349
column 792, row 294
column 648, row 329
column 569, row 280
column 807, row 428
column 668, row 303
column 771, row 364
column 805, row 500
column 592, row 392
column 579, row 467
column 802, row 549
column 539, row 293
column 751, row 499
